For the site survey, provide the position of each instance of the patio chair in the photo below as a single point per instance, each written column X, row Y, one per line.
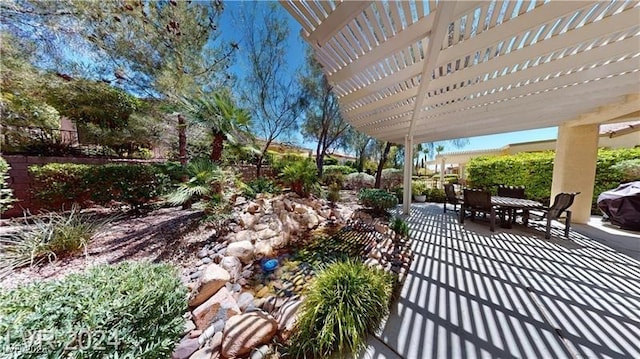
column 451, row 198
column 513, row 192
column 561, row 204
column 477, row 200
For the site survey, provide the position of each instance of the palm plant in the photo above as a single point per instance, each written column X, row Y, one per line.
column 219, row 113
column 205, row 182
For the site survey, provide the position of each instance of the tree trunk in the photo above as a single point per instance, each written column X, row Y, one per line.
column 319, row 159
column 182, row 140
column 216, row 146
column 261, row 158
column 182, row 151
column 383, row 160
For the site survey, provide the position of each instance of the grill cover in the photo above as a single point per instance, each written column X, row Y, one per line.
column 622, row 205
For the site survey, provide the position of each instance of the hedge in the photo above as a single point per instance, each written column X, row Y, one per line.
column 535, row 171
column 58, row 184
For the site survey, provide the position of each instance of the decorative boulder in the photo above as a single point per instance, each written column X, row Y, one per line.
column 246, row 331
column 220, row 306
column 233, row 266
column 242, row 249
column 213, row 278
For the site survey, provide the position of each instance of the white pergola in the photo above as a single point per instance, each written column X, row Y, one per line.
column 413, row 71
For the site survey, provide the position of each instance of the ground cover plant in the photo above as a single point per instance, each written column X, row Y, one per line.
column 129, row 310
column 6, row 193
column 345, row 303
column 49, row 237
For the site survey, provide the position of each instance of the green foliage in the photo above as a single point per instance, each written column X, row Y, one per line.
column 205, row 182
column 129, row 310
column 630, row 170
column 91, row 102
column 279, row 162
column 359, row 180
column 451, row 178
column 261, row 185
column 399, row 192
column 6, row 193
column 535, row 171
column 334, row 192
column 48, row 237
column 56, row 184
column 391, row 178
column 399, row 226
column 345, row 303
column 436, row 195
column 301, row 176
column 419, row 188
column 330, row 161
column 333, row 178
column 378, row 199
column 345, row 170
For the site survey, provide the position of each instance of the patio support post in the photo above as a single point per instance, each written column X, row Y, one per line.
column 408, row 170
column 574, row 168
column 442, row 168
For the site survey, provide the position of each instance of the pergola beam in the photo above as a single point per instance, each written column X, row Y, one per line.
column 630, row 104
column 444, row 14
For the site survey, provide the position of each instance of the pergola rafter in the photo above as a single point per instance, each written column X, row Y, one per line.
column 500, row 66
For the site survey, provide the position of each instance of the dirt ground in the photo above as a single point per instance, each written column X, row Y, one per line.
column 169, row 235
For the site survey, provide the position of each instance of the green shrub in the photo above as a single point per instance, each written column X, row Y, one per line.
column 334, row 192
column 57, row 184
column 302, row 176
column 330, row 161
column 49, row 236
column 391, row 178
column 629, row 170
column 344, row 304
column 419, row 188
column 399, row 226
column 378, row 199
column 345, row 170
column 359, row 180
column 129, row 310
column 6, row 193
column 451, row 178
column 330, row 178
column 399, row 192
column 436, row 195
column 205, row 183
column 172, row 169
column 261, row 185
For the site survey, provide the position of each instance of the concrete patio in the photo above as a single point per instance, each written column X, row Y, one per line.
column 472, row 293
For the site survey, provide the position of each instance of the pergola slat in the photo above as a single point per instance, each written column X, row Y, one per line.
column 398, row 71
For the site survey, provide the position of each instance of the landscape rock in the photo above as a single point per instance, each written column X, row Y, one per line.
column 189, row 325
column 243, row 250
column 245, row 300
column 267, row 233
column 220, row 306
column 246, row 331
column 204, row 353
column 261, row 352
column 263, row 249
column 213, row 278
column 211, row 332
column 233, row 266
column 248, row 220
column 185, row 348
column 253, row 207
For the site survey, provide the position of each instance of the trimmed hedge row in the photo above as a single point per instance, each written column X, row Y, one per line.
column 535, row 171
column 58, row 184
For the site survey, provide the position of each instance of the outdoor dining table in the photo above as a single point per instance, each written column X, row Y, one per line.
column 512, row 204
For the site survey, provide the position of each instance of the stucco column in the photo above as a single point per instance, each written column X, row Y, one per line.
column 408, row 170
column 574, row 168
column 442, row 168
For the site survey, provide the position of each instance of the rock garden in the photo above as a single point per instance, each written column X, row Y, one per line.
column 249, row 272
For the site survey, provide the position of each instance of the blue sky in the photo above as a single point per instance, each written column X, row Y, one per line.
column 231, row 32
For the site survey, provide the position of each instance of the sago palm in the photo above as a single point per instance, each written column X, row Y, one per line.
column 205, row 181
column 219, row 113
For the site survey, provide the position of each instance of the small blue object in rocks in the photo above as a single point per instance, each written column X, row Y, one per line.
column 269, row 265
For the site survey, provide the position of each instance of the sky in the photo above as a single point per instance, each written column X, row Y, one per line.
column 295, row 55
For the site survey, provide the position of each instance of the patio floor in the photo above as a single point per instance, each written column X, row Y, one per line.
column 472, row 293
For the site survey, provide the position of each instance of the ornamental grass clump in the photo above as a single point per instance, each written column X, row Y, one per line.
column 49, row 237
column 129, row 310
column 345, row 303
